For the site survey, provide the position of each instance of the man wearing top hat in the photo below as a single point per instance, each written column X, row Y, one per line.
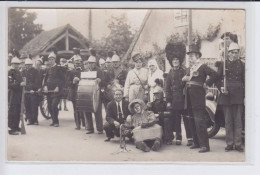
column 232, row 96
column 92, row 61
column 15, row 84
column 30, row 98
column 195, row 97
column 53, row 84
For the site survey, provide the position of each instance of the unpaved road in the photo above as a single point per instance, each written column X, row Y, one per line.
column 45, row 143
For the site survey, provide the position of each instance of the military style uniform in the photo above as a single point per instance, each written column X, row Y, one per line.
column 39, row 96
column 55, row 77
column 174, row 95
column 195, row 103
column 30, row 100
column 14, row 98
column 107, row 95
column 233, row 102
column 120, row 75
column 73, row 87
column 98, row 114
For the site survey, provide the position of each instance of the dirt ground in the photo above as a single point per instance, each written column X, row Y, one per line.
column 45, row 143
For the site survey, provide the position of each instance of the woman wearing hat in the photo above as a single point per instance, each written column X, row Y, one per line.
column 136, row 80
column 195, row 97
column 175, row 54
column 154, row 73
column 143, row 120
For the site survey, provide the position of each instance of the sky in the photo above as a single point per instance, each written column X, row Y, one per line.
column 78, row 18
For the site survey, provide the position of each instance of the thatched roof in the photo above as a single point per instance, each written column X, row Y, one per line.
column 41, row 43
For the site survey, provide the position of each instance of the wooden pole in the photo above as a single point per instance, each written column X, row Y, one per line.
column 190, row 28
column 90, row 26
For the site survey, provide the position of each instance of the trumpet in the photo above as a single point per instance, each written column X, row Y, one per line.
column 122, row 139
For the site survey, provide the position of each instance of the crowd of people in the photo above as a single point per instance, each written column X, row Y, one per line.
column 142, row 104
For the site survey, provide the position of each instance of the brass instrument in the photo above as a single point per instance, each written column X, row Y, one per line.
column 122, row 140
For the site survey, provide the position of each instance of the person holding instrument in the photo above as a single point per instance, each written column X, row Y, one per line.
column 232, row 96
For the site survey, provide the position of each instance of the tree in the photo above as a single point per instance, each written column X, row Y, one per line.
column 21, row 27
column 119, row 38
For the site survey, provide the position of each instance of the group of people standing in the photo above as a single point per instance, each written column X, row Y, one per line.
column 140, row 98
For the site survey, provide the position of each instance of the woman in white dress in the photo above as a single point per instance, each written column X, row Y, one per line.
column 136, row 80
column 154, row 73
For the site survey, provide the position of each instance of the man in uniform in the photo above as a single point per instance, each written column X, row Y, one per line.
column 102, row 64
column 98, row 115
column 195, row 97
column 30, row 99
column 53, row 84
column 40, row 78
column 119, row 73
column 175, row 54
column 15, row 84
column 232, row 97
column 74, row 78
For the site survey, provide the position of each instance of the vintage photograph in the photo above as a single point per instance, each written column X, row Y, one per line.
column 126, row 85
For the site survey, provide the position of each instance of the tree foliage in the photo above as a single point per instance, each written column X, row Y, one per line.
column 118, row 40
column 21, row 27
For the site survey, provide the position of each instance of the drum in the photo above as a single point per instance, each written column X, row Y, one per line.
column 87, row 96
column 149, row 133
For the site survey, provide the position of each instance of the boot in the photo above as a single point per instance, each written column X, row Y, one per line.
column 142, row 146
column 156, row 145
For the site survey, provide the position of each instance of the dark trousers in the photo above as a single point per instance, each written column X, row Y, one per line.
column 14, row 114
column 111, row 130
column 39, row 99
column 174, row 124
column 31, row 107
column 98, row 118
column 78, row 116
column 53, row 102
column 198, row 125
column 233, row 123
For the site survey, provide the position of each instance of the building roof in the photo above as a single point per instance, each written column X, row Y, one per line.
column 46, row 39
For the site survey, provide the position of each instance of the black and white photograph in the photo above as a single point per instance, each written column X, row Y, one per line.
column 110, row 85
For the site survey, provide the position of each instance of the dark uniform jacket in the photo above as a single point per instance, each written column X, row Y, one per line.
column 55, row 77
column 174, row 88
column 32, row 79
column 120, row 75
column 40, row 77
column 100, row 75
column 112, row 114
column 73, row 86
column 196, row 93
column 14, row 88
column 235, row 77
